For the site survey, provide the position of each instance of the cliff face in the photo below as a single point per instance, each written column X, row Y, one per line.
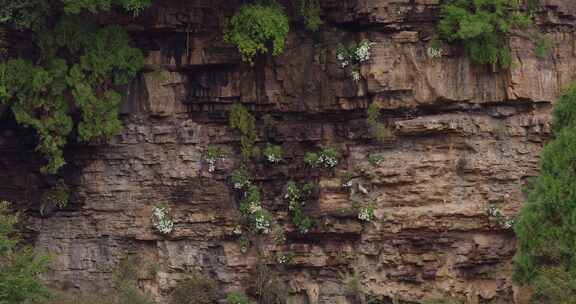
column 465, row 138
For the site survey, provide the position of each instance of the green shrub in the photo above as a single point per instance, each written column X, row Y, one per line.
column 545, row 226
column 254, row 27
column 19, row 267
column 57, row 196
column 258, row 218
column 296, row 200
column 310, row 11
column 93, row 6
column 195, row 290
column 378, row 130
column 236, row 298
column 244, row 122
column 326, row 158
column 273, row 153
column 482, row 27
column 97, row 62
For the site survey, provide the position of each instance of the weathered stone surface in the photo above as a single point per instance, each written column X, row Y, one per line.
column 464, row 137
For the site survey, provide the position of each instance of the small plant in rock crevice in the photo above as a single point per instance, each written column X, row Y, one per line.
column 258, row 218
column 241, row 120
column 365, row 207
column 240, row 179
column 346, row 180
column 161, row 219
column 326, row 158
column 310, row 10
column 211, row 155
column 236, row 297
column 195, row 289
column 296, row 198
column 285, row 258
column 273, row 153
column 504, row 221
column 354, row 57
column 57, row 196
column 377, row 129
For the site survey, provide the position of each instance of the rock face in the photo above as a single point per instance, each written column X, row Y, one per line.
column 465, row 138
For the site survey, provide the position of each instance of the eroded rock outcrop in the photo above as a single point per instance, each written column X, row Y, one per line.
column 465, row 137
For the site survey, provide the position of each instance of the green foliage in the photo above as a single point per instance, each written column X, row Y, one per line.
column 545, row 227
column 244, row 122
column 269, row 287
column 310, row 11
column 259, row 220
column 19, row 267
column 353, row 284
column 273, row 153
column 378, row 130
column 94, row 6
column 23, row 14
column 296, row 198
column 57, row 196
column 256, row 26
column 97, row 62
column 240, row 179
column 542, row 45
column 125, row 278
column 482, row 26
column 195, row 290
column 237, row 298
column 326, row 158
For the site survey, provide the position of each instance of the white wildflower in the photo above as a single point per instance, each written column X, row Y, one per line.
column 161, row 220
column 355, row 76
column 237, row 230
column 363, row 51
column 366, row 214
column 434, row 52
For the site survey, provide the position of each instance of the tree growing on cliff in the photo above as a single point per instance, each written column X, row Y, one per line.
column 546, row 225
column 19, row 266
column 482, row 27
column 71, row 86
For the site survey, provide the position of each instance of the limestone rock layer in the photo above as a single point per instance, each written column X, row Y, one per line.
column 465, row 137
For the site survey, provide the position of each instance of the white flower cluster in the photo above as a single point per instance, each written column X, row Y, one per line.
column 355, row 75
column 345, row 61
column 366, row 214
column 292, row 196
column 282, row 259
column 347, row 184
column 162, row 220
column 493, row 211
column 356, row 57
column 363, row 51
column 262, row 223
column 211, row 164
column 434, row 52
column 241, row 184
column 237, row 230
column 328, row 161
column 507, row 222
column 273, row 158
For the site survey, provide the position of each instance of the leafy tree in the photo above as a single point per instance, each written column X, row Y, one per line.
column 482, row 27
column 80, row 64
column 19, row 267
column 254, row 27
column 546, row 225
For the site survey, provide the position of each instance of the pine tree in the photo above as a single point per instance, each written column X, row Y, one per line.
column 546, row 226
